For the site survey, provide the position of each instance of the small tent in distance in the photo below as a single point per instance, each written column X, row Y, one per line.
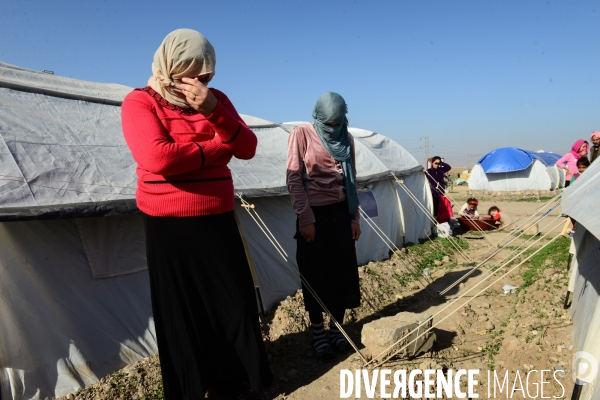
column 512, row 169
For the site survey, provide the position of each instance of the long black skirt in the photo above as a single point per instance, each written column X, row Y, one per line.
column 329, row 262
column 204, row 306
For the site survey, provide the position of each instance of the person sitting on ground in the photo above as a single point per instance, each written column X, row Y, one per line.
column 501, row 219
column 469, row 209
column 582, row 164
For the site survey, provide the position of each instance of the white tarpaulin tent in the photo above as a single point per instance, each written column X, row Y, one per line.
column 74, row 293
column 581, row 201
column 513, row 169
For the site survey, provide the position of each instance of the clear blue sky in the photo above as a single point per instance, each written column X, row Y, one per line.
column 472, row 75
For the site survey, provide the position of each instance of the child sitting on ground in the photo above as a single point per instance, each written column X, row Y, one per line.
column 469, row 209
column 501, row 221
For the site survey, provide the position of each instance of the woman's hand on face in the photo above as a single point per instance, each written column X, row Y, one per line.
column 355, row 230
column 308, row 232
column 198, row 96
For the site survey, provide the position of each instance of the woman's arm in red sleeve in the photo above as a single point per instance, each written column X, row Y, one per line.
column 295, row 184
column 233, row 131
column 152, row 148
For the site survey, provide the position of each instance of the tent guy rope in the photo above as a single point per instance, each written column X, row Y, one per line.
column 251, row 209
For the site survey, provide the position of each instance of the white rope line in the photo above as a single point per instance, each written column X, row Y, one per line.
column 531, row 237
column 284, row 255
column 553, row 202
column 455, row 310
column 423, row 229
column 453, row 202
column 466, row 291
column 277, row 245
column 415, row 271
column 514, row 255
column 536, row 212
column 421, row 206
column 429, row 215
column 485, row 259
column 395, row 248
column 441, row 293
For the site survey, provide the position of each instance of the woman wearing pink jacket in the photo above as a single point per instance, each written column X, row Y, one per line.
column 578, row 150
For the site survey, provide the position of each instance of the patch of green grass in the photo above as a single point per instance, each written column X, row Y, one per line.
column 428, row 251
column 532, row 199
column 554, row 255
column 403, row 279
column 493, row 347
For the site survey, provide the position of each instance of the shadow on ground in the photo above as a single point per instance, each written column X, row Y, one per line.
column 292, row 360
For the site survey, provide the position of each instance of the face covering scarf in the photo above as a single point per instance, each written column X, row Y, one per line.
column 331, row 107
column 184, row 53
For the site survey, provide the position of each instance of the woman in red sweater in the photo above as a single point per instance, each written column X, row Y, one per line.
column 182, row 136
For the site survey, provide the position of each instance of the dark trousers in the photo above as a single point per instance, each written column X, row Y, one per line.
column 329, row 262
column 436, row 206
column 204, row 306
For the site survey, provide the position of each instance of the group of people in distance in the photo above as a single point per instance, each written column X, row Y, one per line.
column 577, row 160
column 574, row 163
column 182, row 135
column 500, row 220
column 442, row 208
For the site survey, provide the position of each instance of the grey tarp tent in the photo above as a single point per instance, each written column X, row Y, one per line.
column 581, row 201
column 74, row 293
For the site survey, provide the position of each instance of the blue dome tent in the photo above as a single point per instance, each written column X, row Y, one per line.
column 514, row 169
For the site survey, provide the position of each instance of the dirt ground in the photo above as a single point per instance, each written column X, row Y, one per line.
column 518, row 332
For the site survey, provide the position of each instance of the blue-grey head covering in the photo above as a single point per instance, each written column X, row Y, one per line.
column 331, row 107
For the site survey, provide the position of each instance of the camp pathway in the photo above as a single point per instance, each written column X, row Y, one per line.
column 528, row 331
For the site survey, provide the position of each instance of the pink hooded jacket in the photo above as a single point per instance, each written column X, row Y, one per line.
column 571, row 159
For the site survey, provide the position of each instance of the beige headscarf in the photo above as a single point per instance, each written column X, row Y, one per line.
column 183, row 53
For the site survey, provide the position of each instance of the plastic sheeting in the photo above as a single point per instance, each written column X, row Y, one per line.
column 61, row 329
column 27, row 80
column 547, row 157
column 417, row 224
column 389, row 156
column 581, row 201
column 74, row 293
column 514, row 169
column 278, row 279
column 506, row 159
column 585, row 308
column 534, row 177
column 63, row 155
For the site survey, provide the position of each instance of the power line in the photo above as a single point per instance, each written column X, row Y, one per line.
column 426, row 147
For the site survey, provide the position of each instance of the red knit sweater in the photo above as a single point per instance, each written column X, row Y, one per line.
column 182, row 164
